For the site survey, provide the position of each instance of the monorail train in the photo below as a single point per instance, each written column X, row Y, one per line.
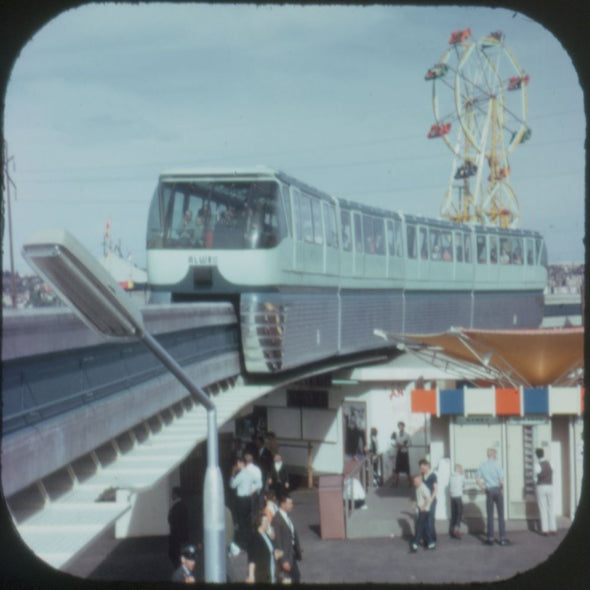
column 312, row 276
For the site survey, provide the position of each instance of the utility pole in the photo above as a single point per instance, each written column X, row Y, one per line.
column 8, row 181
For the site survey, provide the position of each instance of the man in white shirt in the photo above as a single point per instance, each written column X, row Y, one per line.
column 254, row 472
column 241, row 482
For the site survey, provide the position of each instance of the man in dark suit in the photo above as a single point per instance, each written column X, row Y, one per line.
column 287, row 540
column 278, row 477
column 262, row 457
column 178, row 522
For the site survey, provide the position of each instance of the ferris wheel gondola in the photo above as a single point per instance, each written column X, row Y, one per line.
column 479, row 97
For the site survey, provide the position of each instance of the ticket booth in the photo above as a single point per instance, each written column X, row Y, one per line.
column 470, row 438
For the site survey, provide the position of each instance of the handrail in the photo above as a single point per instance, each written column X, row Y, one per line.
column 40, row 412
column 365, row 472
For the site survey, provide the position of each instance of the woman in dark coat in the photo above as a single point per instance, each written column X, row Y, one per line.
column 261, row 554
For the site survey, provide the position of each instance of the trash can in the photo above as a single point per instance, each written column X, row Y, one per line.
column 331, row 507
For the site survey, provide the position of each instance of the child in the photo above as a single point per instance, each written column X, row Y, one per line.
column 422, row 505
column 456, row 491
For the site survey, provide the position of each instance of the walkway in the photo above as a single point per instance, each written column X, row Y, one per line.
column 381, row 560
column 389, row 514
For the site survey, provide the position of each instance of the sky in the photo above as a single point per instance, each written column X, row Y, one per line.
column 105, row 97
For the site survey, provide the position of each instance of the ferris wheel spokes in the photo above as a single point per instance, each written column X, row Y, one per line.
column 482, row 91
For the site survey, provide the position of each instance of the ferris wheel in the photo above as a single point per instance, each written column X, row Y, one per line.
column 479, row 97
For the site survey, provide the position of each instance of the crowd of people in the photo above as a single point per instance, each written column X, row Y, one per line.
column 565, row 278
column 257, row 521
column 28, row 291
column 259, row 508
column 490, row 480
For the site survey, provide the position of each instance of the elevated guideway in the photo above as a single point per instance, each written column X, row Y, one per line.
column 89, row 425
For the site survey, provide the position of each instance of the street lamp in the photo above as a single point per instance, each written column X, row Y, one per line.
column 86, row 286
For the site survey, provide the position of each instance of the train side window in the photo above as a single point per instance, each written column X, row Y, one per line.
column 423, row 242
column 379, row 237
column 330, row 222
column 458, row 236
column 467, row 242
column 505, row 251
column 435, row 246
column 493, row 249
column 369, row 234
column 306, row 219
column 482, row 255
column 346, row 231
column 316, row 217
column 516, row 257
column 358, row 233
column 542, row 252
column 390, row 238
column 397, row 238
column 287, row 208
column 446, row 245
column 530, row 251
column 297, row 213
column 411, row 240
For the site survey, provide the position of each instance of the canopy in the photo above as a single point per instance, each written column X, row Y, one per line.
column 517, row 357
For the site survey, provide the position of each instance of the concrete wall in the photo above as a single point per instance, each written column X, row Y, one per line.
column 300, row 425
column 148, row 514
column 385, row 407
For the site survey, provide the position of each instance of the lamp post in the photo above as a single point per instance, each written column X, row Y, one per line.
column 85, row 285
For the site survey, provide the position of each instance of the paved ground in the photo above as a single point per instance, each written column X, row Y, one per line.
column 379, row 560
column 389, row 511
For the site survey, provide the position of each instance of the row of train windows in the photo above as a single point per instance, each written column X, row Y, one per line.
column 362, row 232
column 374, row 235
column 444, row 245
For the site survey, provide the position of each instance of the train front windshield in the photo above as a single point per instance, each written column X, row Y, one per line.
column 211, row 214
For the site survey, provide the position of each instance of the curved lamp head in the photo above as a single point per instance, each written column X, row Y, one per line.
column 83, row 284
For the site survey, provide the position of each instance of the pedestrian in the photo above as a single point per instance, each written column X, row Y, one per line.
column 241, row 482
column 262, row 457
column 287, row 540
column 544, row 490
column 421, row 506
column 262, row 555
column 232, row 550
column 178, row 524
column 456, row 482
column 272, row 443
column 431, row 481
column 355, row 492
column 257, row 483
column 185, row 572
column 490, row 478
column 401, row 441
column 270, row 509
column 374, row 454
column 278, row 478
